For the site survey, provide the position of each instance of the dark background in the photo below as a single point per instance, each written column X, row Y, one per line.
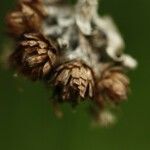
column 26, row 119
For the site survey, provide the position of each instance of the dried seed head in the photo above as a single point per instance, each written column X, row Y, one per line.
column 35, row 56
column 74, row 79
column 25, row 18
column 114, row 85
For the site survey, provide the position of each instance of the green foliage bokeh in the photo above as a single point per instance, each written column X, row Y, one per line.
column 26, row 119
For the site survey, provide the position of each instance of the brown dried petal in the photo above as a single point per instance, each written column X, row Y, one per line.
column 46, row 69
column 35, row 60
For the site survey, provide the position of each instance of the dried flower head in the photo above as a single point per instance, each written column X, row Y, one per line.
column 35, row 56
column 114, row 85
column 74, row 79
column 27, row 17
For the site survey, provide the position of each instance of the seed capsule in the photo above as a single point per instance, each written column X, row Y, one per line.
column 35, row 56
column 114, row 85
column 74, row 79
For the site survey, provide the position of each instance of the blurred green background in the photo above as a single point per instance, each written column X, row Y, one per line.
column 26, row 118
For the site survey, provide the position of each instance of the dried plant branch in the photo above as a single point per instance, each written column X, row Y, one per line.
column 72, row 48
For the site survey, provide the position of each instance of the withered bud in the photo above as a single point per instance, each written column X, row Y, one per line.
column 114, row 85
column 35, row 56
column 74, row 79
column 25, row 18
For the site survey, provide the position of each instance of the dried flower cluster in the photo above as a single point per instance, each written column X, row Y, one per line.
column 72, row 48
